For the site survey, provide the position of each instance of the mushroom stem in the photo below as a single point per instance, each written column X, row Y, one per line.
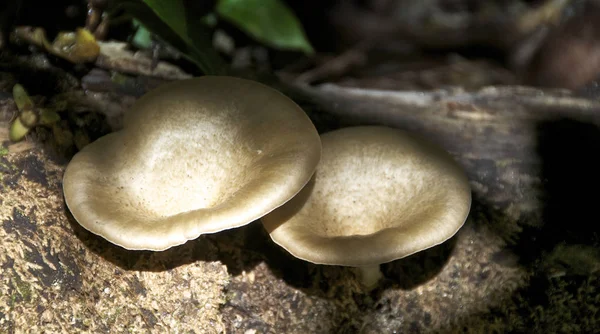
column 369, row 276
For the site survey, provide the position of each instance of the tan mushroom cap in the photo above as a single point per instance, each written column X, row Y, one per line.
column 378, row 194
column 195, row 156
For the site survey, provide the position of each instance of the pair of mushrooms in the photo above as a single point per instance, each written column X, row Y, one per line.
column 212, row 153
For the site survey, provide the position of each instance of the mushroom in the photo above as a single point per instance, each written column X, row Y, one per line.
column 378, row 194
column 195, row 156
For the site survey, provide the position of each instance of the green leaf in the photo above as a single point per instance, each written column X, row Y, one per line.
column 22, row 99
column 48, row 117
column 180, row 27
column 142, row 38
column 171, row 12
column 269, row 21
column 17, row 130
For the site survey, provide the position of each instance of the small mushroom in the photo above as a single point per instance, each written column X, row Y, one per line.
column 378, row 194
column 195, row 156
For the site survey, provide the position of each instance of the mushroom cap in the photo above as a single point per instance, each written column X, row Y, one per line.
column 378, row 194
column 195, row 156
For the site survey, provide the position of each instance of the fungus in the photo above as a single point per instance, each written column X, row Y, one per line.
column 378, row 194
column 195, row 156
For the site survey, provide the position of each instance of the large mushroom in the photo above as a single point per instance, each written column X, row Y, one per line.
column 378, row 194
column 195, row 156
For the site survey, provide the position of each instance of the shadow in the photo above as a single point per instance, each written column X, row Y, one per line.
column 295, row 272
column 234, row 248
column 555, row 247
column 36, row 80
column 571, row 174
column 417, row 269
column 571, row 179
column 553, row 243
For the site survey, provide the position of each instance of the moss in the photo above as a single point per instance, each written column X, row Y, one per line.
column 573, row 306
column 23, row 291
column 567, row 304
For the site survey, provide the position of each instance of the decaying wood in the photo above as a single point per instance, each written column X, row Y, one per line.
column 528, row 153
